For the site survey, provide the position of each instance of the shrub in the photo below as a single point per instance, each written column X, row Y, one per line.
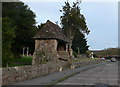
column 41, row 57
column 75, row 54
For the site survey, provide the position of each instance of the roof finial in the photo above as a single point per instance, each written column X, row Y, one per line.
column 56, row 22
column 67, row 1
column 76, row 1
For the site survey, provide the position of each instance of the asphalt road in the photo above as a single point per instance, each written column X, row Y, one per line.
column 103, row 76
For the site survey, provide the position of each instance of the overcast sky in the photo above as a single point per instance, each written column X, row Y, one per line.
column 101, row 18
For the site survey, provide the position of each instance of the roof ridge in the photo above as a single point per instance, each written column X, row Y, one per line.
column 48, row 21
column 51, row 30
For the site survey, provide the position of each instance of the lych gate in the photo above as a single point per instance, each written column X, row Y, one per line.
column 53, row 41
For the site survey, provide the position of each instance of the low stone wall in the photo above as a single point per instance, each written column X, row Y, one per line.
column 16, row 74
column 79, row 64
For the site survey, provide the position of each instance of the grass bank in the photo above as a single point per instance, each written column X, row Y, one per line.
column 24, row 60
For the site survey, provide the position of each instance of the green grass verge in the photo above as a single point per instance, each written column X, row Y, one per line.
column 23, row 61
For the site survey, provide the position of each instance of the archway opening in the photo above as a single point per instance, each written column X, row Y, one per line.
column 61, row 46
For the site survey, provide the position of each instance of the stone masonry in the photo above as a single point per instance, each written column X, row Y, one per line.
column 15, row 74
column 50, row 49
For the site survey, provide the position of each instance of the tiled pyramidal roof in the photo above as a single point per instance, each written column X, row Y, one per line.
column 51, row 31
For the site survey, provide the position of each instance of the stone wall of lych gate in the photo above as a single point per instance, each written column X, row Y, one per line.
column 48, row 47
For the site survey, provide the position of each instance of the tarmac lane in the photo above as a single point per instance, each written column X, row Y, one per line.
column 100, row 76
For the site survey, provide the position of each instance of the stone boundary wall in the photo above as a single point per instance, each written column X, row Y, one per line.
column 15, row 74
column 79, row 64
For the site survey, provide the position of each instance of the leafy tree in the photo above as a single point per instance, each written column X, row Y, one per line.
column 8, row 35
column 73, row 21
column 79, row 43
column 24, row 19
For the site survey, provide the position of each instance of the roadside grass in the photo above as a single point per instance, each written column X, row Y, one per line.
column 23, row 61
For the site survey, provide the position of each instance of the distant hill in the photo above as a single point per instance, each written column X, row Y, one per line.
column 106, row 52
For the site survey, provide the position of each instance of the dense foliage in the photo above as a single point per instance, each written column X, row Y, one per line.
column 22, row 36
column 8, row 35
column 79, row 43
column 24, row 19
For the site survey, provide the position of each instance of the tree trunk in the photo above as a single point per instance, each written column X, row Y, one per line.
column 70, row 43
column 70, row 49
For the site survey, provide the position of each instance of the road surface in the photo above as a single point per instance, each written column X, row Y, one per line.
column 105, row 75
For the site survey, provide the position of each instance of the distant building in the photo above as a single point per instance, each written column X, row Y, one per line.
column 53, row 41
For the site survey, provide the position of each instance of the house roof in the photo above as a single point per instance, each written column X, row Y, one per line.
column 51, row 31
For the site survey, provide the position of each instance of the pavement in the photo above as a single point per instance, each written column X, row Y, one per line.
column 56, row 77
column 101, row 76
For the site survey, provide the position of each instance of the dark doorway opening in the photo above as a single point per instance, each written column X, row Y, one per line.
column 61, row 46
